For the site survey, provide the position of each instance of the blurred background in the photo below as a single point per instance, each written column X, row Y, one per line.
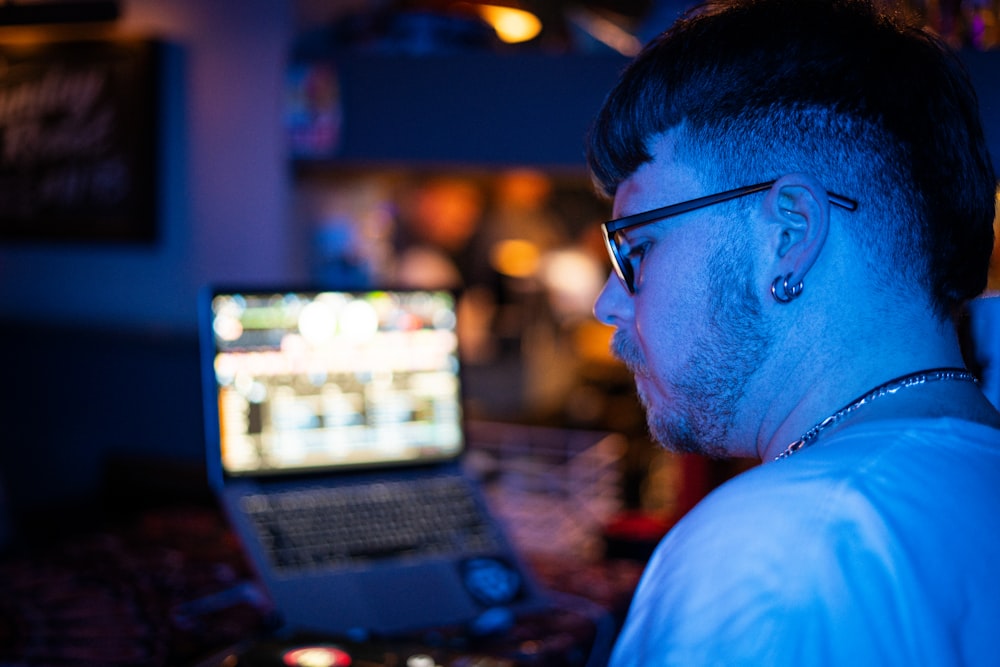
column 149, row 148
column 314, row 142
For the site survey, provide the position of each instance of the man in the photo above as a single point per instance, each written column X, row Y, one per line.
column 804, row 316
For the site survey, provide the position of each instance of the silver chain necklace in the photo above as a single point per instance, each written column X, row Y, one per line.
column 890, row 387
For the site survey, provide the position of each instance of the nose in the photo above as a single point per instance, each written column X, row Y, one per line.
column 613, row 301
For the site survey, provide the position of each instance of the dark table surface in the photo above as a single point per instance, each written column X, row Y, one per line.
column 169, row 586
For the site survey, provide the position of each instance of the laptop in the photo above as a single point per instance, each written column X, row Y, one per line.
column 337, row 411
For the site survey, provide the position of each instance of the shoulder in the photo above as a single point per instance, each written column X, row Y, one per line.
column 787, row 513
column 733, row 574
column 832, row 542
column 874, row 483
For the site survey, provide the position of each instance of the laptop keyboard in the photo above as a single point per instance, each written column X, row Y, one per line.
column 360, row 523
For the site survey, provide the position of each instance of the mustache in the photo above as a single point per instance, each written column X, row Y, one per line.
column 625, row 349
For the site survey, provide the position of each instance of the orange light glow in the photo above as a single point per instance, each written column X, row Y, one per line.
column 511, row 25
column 516, row 258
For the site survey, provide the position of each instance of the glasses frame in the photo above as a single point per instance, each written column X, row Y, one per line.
column 611, row 228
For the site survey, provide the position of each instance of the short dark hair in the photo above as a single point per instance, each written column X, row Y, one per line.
column 877, row 108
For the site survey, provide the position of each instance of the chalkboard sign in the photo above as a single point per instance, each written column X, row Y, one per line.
column 78, row 141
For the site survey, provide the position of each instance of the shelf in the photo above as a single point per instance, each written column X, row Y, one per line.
column 477, row 109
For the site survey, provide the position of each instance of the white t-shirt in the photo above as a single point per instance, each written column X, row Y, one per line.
column 879, row 545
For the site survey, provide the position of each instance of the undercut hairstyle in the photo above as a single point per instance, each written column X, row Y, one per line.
column 875, row 107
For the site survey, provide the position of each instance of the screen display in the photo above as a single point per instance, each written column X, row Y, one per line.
column 321, row 379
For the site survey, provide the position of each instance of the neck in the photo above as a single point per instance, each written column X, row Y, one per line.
column 819, row 384
column 886, row 390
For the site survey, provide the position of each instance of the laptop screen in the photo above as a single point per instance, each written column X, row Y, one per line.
column 308, row 380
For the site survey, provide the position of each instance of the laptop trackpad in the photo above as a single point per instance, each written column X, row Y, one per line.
column 380, row 601
column 420, row 596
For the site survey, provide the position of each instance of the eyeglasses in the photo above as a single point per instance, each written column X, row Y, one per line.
column 613, row 229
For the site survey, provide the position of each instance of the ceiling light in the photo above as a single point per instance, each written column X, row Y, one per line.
column 511, row 25
column 606, row 32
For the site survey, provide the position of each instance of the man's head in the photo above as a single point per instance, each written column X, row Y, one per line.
column 883, row 193
column 871, row 106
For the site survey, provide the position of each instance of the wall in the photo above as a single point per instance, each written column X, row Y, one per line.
column 102, row 365
column 984, row 68
column 223, row 204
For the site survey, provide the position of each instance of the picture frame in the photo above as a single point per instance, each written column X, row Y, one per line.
column 78, row 135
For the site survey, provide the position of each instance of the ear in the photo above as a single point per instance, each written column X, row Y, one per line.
column 797, row 210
